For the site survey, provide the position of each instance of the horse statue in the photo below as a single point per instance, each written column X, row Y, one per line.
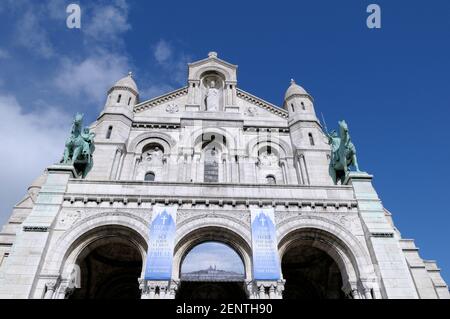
column 79, row 147
column 343, row 153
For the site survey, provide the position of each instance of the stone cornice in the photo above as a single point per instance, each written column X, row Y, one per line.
column 160, row 100
column 190, row 184
column 312, row 205
column 261, row 103
column 125, row 88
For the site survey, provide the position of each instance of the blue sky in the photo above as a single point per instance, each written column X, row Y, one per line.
column 391, row 85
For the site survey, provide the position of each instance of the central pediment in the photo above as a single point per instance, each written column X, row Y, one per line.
column 211, row 90
column 212, row 64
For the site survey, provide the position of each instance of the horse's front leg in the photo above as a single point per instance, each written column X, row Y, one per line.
column 76, row 153
column 355, row 162
column 66, row 154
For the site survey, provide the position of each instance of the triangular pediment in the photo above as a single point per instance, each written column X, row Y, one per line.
column 160, row 100
column 173, row 104
column 261, row 104
column 212, row 59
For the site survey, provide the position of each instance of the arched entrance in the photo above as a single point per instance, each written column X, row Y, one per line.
column 316, row 265
column 110, row 265
column 212, row 270
column 310, row 273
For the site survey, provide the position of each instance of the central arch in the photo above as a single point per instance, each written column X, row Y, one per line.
column 212, row 263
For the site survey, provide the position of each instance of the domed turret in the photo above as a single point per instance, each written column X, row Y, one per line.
column 294, row 89
column 127, row 82
column 114, row 123
column 298, row 103
column 124, row 93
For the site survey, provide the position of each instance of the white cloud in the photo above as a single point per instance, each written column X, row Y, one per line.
column 162, row 51
column 155, row 90
column 57, row 9
column 108, row 22
column 30, row 143
column 31, row 35
column 172, row 62
column 92, row 77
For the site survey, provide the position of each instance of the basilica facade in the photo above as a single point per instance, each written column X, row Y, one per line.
column 212, row 152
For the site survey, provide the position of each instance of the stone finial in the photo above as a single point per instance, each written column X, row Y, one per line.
column 292, row 81
column 130, row 74
column 212, row 54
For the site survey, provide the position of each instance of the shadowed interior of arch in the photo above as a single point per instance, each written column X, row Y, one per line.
column 310, row 273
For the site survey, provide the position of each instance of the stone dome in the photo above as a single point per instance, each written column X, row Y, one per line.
column 127, row 82
column 294, row 89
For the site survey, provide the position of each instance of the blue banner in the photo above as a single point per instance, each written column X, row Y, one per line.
column 161, row 244
column 266, row 260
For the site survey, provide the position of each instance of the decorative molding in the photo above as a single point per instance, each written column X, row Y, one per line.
column 172, row 108
column 382, row 235
column 125, row 88
column 36, row 229
column 252, row 111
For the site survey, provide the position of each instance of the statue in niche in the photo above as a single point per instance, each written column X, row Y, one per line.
column 212, row 97
column 155, row 156
column 268, row 159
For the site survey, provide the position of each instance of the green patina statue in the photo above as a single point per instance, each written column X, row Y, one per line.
column 343, row 153
column 79, row 147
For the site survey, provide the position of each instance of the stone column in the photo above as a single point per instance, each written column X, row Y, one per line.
column 272, row 289
column 137, row 159
column 351, row 290
column 21, row 270
column 283, row 166
column 298, row 170
column 122, row 155
column 304, row 169
column 65, row 290
column 158, row 289
column 382, row 243
column 50, row 289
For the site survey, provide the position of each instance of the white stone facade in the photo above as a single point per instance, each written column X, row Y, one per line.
column 255, row 155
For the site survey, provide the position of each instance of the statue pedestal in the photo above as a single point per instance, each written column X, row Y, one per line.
column 352, row 176
column 63, row 169
column 192, row 108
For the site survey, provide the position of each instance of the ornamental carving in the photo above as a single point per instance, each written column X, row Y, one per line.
column 172, row 108
column 252, row 111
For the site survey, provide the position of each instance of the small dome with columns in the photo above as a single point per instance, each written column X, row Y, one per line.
column 294, row 89
column 127, row 82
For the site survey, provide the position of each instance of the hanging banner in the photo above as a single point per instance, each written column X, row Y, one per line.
column 266, row 260
column 161, row 243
